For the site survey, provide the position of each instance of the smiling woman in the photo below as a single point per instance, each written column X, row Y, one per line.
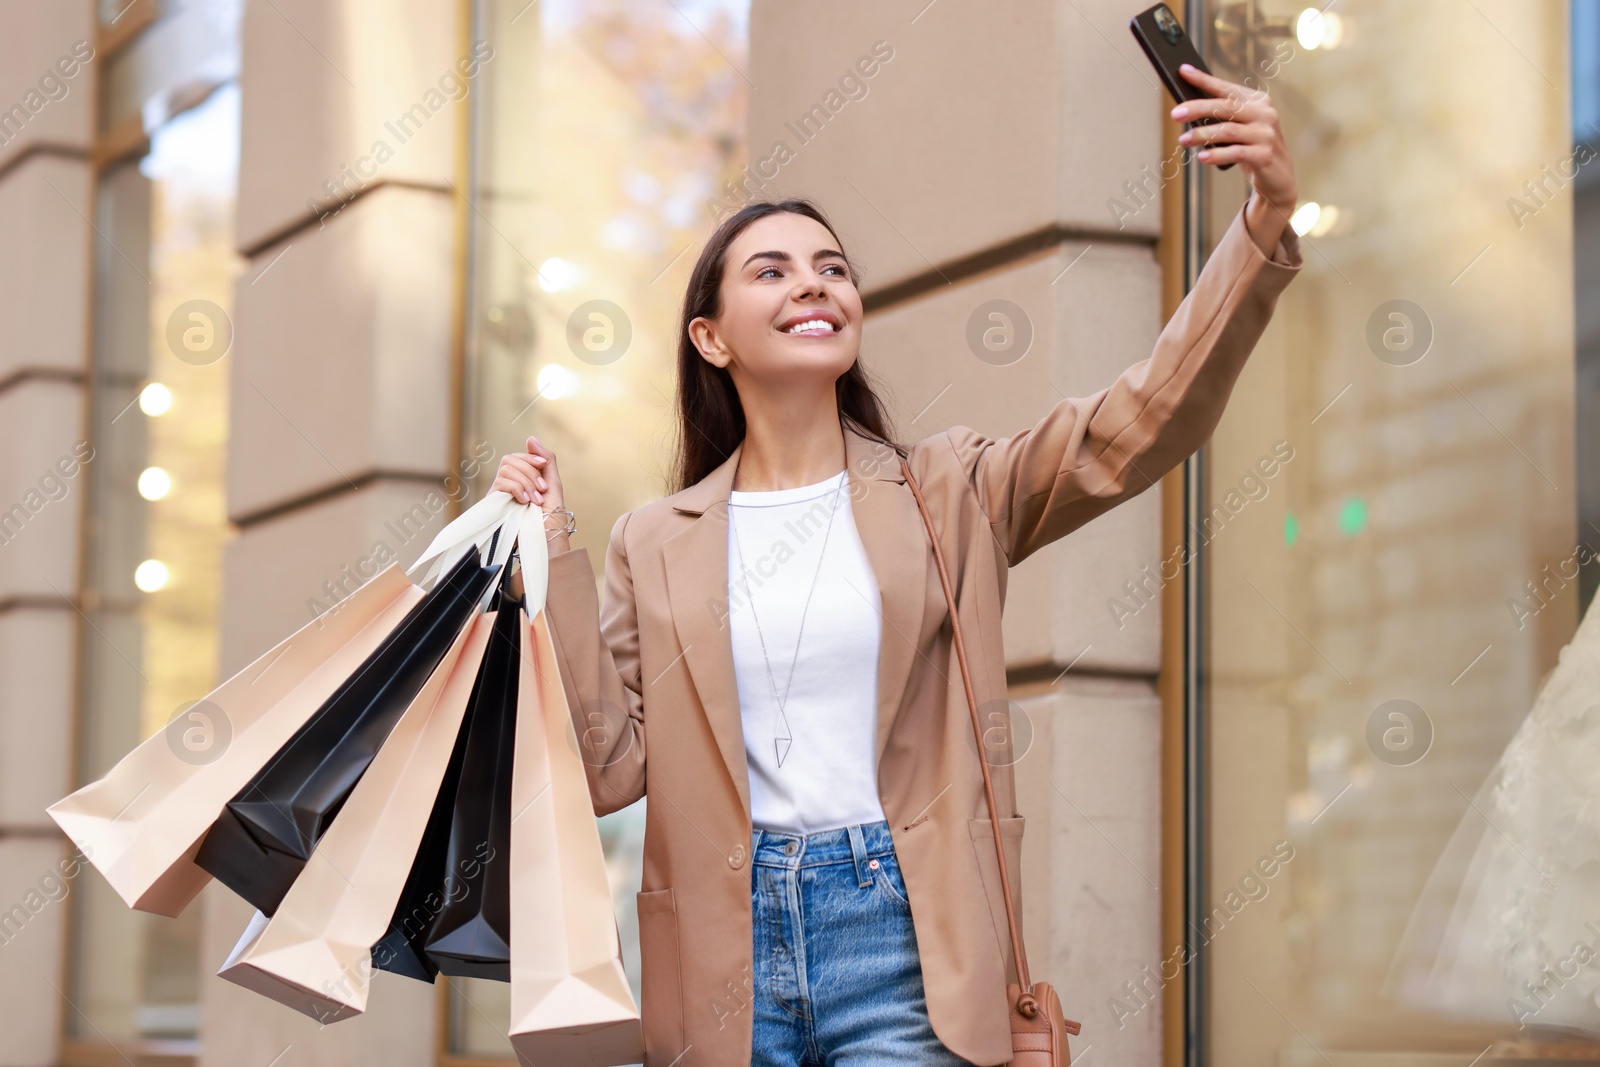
column 737, row 361
column 868, row 921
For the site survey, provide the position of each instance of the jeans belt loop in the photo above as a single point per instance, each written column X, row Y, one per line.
column 858, row 853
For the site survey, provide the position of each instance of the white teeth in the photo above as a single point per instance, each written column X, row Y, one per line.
column 811, row 326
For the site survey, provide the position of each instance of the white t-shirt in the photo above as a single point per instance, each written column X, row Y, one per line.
column 814, row 766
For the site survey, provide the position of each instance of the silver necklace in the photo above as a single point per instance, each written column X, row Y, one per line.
column 782, row 736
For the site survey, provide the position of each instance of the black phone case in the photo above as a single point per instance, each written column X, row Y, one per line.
column 1166, row 45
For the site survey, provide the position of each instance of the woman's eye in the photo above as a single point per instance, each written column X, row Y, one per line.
column 839, row 270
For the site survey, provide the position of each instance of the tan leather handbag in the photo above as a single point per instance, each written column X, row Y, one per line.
column 1038, row 1029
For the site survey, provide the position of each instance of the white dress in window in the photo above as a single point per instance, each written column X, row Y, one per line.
column 1519, row 943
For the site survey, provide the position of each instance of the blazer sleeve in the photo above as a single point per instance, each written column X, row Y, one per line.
column 597, row 651
column 1089, row 454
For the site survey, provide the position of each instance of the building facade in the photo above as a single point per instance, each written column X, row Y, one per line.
column 285, row 277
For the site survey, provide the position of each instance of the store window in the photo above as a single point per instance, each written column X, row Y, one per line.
column 1586, row 278
column 164, row 266
column 601, row 134
column 1384, row 506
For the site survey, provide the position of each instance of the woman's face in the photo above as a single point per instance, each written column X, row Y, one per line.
column 789, row 308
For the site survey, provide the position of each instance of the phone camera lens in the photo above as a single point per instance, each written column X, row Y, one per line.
column 1168, row 25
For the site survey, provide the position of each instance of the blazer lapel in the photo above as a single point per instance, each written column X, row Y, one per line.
column 892, row 534
column 697, row 589
column 696, row 558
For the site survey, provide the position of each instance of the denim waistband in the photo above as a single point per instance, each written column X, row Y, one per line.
column 858, row 843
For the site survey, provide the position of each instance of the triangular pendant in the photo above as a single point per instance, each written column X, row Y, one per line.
column 783, row 738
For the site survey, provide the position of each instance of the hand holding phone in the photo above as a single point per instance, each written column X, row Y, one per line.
column 1232, row 122
column 1166, row 45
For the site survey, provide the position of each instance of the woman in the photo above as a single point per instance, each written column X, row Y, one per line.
column 819, row 882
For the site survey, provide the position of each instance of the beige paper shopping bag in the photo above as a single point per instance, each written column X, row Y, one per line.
column 315, row 954
column 142, row 823
column 570, row 1000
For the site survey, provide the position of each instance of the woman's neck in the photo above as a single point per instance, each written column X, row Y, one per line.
column 789, row 446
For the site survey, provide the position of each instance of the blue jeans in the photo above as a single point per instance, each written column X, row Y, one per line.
column 838, row 982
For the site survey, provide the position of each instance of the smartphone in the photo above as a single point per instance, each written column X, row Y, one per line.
column 1168, row 47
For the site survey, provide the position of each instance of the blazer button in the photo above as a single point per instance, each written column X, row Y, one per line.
column 736, row 857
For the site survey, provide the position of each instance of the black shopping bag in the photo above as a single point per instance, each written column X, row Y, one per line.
column 453, row 913
column 266, row 833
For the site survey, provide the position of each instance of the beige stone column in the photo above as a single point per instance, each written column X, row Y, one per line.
column 966, row 153
column 343, row 392
column 44, row 286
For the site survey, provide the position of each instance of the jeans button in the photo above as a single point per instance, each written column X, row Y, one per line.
column 736, row 857
column 790, row 849
column 873, row 864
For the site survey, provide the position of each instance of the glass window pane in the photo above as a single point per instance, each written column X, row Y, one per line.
column 187, row 52
column 1586, row 277
column 110, row 12
column 602, row 131
column 164, row 271
column 1394, row 469
column 1585, row 71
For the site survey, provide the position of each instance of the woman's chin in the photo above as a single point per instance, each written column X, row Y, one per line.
column 813, row 357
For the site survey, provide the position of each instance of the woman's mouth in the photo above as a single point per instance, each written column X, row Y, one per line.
column 812, row 324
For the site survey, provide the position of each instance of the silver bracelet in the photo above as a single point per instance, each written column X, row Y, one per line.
column 570, row 527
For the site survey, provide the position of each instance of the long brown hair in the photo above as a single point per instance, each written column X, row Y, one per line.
column 710, row 417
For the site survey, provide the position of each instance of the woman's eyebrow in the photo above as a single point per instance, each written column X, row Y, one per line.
column 784, row 257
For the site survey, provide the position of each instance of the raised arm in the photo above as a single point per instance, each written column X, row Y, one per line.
column 1089, row 454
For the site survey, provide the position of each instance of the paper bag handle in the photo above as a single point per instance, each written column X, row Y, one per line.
column 517, row 524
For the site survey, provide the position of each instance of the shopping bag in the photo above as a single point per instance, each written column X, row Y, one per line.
column 265, row 834
column 570, row 999
column 314, row 955
column 402, row 950
column 141, row 824
column 497, row 522
column 470, row 937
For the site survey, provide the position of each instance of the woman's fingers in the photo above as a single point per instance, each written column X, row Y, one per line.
column 519, row 490
column 534, row 474
column 1230, row 108
column 524, row 463
column 1235, row 153
column 1225, row 99
column 1247, row 132
column 528, row 476
column 544, row 463
column 521, row 481
column 1211, row 83
column 519, row 487
column 1225, row 132
column 542, row 459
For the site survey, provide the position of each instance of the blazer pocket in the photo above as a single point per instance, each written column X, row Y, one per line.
column 989, row 870
column 660, row 977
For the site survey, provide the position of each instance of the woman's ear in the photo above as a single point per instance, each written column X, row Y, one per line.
column 702, row 331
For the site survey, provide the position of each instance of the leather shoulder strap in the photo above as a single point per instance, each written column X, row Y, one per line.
column 1020, row 956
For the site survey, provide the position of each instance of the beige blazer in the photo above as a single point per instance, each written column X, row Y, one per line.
column 649, row 673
